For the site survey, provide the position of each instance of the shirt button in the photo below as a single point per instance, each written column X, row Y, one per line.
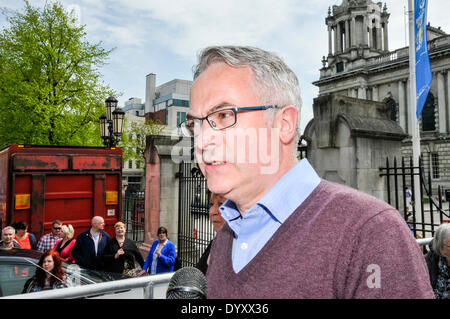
column 244, row 246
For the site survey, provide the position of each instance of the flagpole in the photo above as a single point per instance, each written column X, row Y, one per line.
column 413, row 121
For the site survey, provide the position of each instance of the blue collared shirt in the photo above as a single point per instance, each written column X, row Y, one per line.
column 259, row 223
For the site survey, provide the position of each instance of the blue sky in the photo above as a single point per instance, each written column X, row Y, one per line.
column 164, row 36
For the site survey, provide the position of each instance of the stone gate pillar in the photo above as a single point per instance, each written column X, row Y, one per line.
column 162, row 156
column 349, row 139
column 152, row 194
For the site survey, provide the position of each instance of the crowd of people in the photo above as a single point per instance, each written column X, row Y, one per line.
column 97, row 250
column 92, row 249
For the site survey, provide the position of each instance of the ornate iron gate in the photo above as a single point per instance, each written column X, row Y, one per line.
column 133, row 215
column 194, row 228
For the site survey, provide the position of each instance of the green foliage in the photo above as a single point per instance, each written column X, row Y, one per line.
column 50, row 87
column 133, row 140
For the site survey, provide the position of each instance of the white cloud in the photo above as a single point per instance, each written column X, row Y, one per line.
column 164, row 36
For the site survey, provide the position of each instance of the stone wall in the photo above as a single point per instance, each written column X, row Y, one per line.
column 349, row 139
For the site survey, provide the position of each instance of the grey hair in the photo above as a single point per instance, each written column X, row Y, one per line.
column 8, row 228
column 276, row 83
column 441, row 238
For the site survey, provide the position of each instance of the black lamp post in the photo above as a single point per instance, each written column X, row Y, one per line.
column 111, row 123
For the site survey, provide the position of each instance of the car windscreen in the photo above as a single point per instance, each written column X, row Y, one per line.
column 13, row 277
column 74, row 272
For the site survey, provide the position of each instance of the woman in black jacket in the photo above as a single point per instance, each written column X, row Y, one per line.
column 121, row 254
column 438, row 262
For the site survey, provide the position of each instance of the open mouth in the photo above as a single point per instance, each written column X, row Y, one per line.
column 215, row 163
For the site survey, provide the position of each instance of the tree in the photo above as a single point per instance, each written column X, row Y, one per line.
column 50, row 85
column 133, row 140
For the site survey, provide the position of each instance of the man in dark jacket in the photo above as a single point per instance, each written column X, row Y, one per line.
column 90, row 244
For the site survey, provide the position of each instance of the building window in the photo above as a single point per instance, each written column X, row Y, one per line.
column 178, row 102
column 428, row 120
column 392, row 109
column 130, row 164
column 339, row 67
column 134, row 184
column 435, row 165
column 181, row 117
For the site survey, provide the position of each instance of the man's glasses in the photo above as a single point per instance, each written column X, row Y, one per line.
column 57, row 228
column 218, row 120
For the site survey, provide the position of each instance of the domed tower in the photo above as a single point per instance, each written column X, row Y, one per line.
column 357, row 29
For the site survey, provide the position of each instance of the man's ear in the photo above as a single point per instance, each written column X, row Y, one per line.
column 286, row 121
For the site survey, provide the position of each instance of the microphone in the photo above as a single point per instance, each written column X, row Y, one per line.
column 187, row 283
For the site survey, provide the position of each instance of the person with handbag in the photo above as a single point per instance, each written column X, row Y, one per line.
column 121, row 254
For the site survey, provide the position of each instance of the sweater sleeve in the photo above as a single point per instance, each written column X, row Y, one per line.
column 69, row 251
column 33, row 241
column 167, row 257
column 385, row 262
column 77, row 251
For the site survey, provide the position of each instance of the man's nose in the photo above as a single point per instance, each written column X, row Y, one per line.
column 208, row 136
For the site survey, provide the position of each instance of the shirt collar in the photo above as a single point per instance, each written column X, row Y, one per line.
column 282, row 199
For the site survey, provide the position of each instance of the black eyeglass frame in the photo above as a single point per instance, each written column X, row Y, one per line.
column 183, row 125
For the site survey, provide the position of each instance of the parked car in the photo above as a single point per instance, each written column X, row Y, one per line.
column 18, row 265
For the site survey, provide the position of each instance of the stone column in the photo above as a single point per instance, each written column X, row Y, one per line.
column 401, row 105
column 448, row 99
column 350, row 92
column 330, row 40
column 364, row 31
column 335, row 39
column 362, row 92
column 347, row 34
column 441, row 102
column 353, row 32
column 379, row 38
column 371, row 42
column 338, row 49
column 385, row 35
column 375, row 96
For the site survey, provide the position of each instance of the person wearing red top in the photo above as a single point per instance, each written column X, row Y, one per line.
column 23, row 237
column 65, row 245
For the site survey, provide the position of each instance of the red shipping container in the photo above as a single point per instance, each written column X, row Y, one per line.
column 39, row 184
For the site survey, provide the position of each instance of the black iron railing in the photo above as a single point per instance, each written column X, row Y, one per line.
column 133, row 215
column 195, row 231
column 432, row 209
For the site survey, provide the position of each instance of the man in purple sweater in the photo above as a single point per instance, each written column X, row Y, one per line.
column 289, row 234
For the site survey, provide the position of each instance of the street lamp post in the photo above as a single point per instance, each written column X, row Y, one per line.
column 111, row 123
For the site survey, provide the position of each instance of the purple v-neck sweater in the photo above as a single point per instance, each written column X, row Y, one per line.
column 339, row 243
